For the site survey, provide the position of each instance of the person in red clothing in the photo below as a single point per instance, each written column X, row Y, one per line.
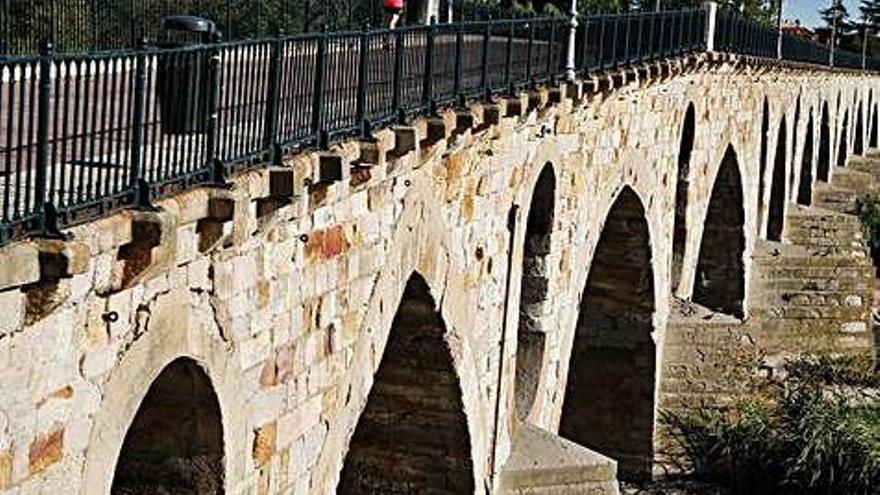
column 393, row 8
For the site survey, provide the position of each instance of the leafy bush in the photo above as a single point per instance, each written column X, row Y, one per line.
column 817, row 431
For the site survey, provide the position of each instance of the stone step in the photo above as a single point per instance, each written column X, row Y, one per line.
column 867, row 164
column 855, row 180
column 806, row 313
column 811, row 285
column 815, row 227
column 835, row 198
column 542, row 463
column 810, row 298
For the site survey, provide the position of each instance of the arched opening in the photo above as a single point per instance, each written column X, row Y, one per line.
column 805, row 187
column 858, row 141
column 841, row 147
column 824, row 160
column 679, row 235
column 175, row 443
column 765, row 131
column 609, row 397
column 412, row 437
column 720, row 281
column 776, row 218
column 874, row 136
column 533, row 293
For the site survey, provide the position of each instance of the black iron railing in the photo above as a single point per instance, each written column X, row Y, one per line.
column 737, row 34
column 609, row 41
column 83, row 135
column 96, row 25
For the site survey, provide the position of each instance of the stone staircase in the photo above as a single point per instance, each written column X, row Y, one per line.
column 811, row 298
column 848, row 185
column 814, row 291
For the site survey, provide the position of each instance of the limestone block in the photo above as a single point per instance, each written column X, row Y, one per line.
column 20, row 265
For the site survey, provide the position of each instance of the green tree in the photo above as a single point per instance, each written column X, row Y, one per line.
column 837, row 10
column 870, row 10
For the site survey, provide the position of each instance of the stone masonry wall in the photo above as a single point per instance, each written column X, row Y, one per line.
column 284, row 287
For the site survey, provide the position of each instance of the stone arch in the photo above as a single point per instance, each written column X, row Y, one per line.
column 776, row 214
column 609, row 397
column 859, row 140
column 531, row 337
column 805, row 186
column 177, row 329
column 412, row 436
column 720, row 278
column 679, row 233
column 175, row 441
column 823, row 163
column 765, row 131
column 841, row 147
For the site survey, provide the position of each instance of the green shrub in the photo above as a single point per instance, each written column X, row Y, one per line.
column 817, row 431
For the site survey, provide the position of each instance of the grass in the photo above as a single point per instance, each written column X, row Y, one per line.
column 816, row 431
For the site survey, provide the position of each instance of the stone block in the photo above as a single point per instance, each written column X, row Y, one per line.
column 20, row 266
column 264, row 443
column 45, row 451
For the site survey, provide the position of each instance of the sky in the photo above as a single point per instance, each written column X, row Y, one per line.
column 808, row 10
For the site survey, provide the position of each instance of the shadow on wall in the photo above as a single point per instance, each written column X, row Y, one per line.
column 609, row 397
column 412, row 437
column 720, row 278
column 533, row 293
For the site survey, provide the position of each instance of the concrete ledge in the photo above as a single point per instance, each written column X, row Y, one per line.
column 543, row 462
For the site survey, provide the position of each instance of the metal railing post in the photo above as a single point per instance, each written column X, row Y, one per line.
column 272, row 97
column 428, row 81
column 711, row 9
column 398, row 75
column 551, row 54
column 44, row 208
column 508, row 60
column 136, row 181
column 456, row 82
column 363, row 64
column 531, row 27
column 318, row 93
column 572, row 39
column 484, row 70
column 217, row 172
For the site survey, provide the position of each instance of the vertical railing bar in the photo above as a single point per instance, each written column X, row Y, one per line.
column 397, row 81
column 46, row 215
column 140, row 190
column 363, row 64
column 270, row 128
column 318, row 94
column 428, row 69
column 508, row 60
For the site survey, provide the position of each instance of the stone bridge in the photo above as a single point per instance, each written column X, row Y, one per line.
column 500, row 299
